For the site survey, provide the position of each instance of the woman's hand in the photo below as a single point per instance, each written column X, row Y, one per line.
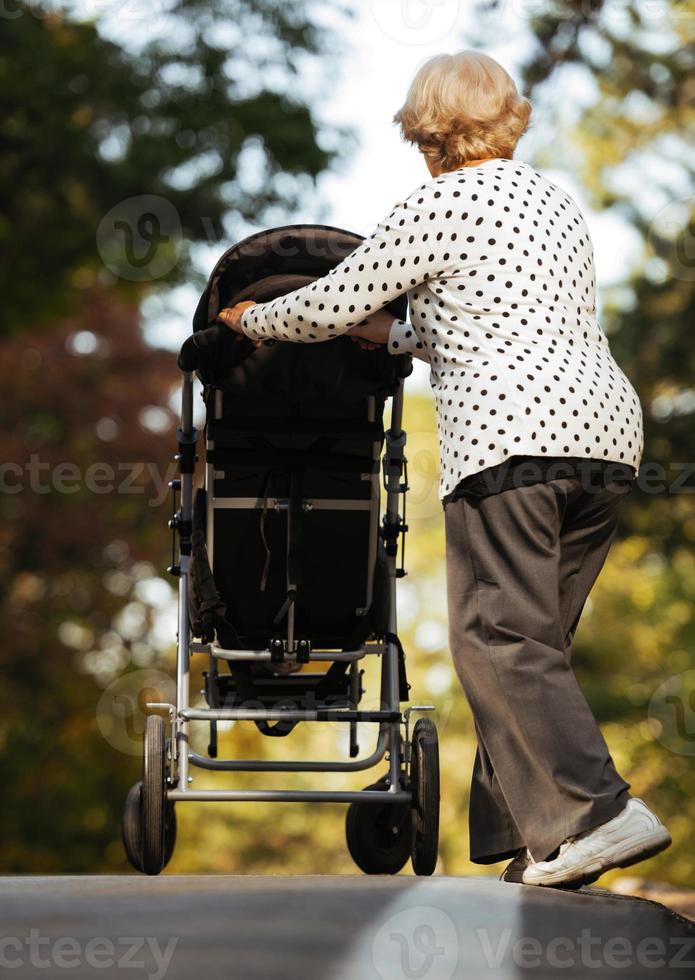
column 231, row 316
column 374, row 330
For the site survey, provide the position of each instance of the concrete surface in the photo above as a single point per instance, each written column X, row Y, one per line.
column 332, row 928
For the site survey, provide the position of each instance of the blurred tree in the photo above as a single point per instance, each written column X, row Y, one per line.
column 116, row 159
column 87, row 443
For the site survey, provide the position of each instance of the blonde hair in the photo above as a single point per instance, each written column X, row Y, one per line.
column 463, row 107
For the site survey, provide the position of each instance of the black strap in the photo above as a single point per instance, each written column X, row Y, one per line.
column 264, row 514
column 336, row 670
column 208, row 612
column 403, row 685
column 294, row 537
column 284, row 608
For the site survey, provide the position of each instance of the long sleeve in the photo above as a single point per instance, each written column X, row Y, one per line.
column 403, row 340
column 402, row 252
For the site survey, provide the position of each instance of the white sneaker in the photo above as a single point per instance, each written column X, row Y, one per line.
column 635, row 834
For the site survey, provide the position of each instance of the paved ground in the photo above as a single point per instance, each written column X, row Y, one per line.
column 332, row 928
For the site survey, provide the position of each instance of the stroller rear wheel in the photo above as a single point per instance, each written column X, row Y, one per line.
column 378, row 835
column 424, row 783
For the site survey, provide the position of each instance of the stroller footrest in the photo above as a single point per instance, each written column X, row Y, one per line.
column 301, row 690
column 256, row 714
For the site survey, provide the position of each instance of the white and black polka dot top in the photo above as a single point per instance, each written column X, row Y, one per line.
column 498, row 266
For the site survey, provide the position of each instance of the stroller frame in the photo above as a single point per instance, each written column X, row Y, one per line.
column 396, row 818
column 389, row 719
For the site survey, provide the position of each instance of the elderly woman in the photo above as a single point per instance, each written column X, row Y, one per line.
column 540, row 437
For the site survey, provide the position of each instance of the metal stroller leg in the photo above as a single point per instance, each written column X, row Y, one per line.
column 187, row 436
column 393, row 472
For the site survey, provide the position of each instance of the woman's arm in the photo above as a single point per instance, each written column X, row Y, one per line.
column 402, row 339
column 376, row 330
column 402, row 252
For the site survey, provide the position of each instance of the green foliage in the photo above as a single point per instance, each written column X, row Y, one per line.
column 88, row 126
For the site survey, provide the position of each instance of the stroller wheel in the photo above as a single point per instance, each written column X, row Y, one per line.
column 153, row 800
column 378, row 836
column 424, row 782
column 132, row 828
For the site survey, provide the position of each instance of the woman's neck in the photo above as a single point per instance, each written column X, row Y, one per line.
column 436, row 172
column 474, row 163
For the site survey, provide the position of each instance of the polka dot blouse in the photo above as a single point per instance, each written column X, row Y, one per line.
column 498, row 266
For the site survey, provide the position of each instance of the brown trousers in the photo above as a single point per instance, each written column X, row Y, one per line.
column 520, row 565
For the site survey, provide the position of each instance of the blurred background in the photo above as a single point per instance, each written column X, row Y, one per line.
column 139, row 140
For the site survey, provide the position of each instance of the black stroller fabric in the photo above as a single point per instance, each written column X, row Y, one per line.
column 338, row 369
column 272, row 263
column 263, row 267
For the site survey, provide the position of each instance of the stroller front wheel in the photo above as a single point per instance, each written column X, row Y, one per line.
column 149, row 819
column 378, row 835
column 132, row 828
column 154, row 796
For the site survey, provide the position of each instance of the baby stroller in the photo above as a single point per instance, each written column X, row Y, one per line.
column 284, row 562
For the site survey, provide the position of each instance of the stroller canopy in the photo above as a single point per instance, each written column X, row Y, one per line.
column 262, row 267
